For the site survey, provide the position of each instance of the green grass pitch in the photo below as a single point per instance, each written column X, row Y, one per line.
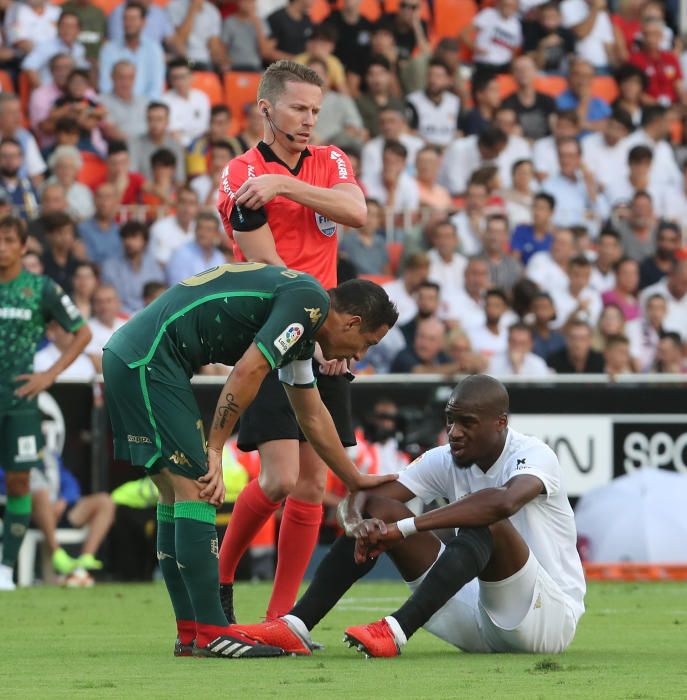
column 115, row 641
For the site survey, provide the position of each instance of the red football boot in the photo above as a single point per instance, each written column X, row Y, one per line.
column 374, row 639
column 276, row 633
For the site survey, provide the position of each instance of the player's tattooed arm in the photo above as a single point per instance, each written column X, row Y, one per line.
column 226, row 410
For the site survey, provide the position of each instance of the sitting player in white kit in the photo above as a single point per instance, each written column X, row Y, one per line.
column 510, row 580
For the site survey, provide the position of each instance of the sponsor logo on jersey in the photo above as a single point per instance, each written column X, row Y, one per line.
column 315, row 314
column 326, row 226
column 214, row 547
column 521, row 464
column 27, row 292
column 69, row 307
column 340, row 164
column 27, row 449
column 139, row 439
column 178, row 457
column 12, row 314
column 251, row 171
column 288, row 337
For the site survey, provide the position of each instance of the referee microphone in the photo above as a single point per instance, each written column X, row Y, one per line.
column 273, row 126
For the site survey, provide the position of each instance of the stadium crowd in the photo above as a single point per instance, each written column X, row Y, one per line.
column 524, row 164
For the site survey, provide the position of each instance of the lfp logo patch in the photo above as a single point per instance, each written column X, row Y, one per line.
column 288, row 337
column 326, row 226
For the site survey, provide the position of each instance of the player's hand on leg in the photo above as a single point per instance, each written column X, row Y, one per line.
column 212, row 483
column 35, row 383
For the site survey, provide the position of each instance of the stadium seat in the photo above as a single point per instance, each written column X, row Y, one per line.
column 240, row 89
column 209, row 83
column 93, row 169
column 6, row 81
column 605, row 87
column 106, row 5
column 507, row 84
column 319, row 11
column 450, row 16
column 392, row 6
column 552, row 85
column 377, row 279
column 371, row 9
column 395, row 251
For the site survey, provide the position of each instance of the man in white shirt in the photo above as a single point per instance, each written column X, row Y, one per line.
column 517, row 148
column 465, row 155
column 105, row 321
column 471, row 221
column 465, row 308
column 198, row 29
column 621, row 190
column 198, row 255
column 579, row 301
column 673, row 288
column 518, row 359
column 189, row 109
column 402, row 291
column 510, row 580
column 592, row 26
column 549, row 268
column 498, row 35
column 170, row 232
column 491, row 338
column 564, row 124
column 609, row 249
column 446, row 264
column 28, row 24
column 33, row 165
column 393, row 187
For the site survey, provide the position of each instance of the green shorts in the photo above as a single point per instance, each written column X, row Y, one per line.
column 155, row 419
column 21, row 439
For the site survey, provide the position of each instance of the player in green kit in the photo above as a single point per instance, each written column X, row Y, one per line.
column 256, row 317
column 27, row 303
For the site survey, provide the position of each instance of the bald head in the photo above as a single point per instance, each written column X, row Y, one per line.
column 484, row 394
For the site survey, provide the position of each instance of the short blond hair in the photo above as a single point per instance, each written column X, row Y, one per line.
column 279, row 73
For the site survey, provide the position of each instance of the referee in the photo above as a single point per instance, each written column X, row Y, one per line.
column 281, row 202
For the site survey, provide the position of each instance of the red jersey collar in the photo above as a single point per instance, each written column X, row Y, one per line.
column 271, row 157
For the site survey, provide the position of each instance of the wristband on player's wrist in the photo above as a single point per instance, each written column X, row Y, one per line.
column 407, row 527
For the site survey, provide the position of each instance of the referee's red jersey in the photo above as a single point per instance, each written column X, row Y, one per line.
column 305, row 240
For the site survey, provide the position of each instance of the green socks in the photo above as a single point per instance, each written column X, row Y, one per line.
column 167, row 558
column 15, row 523
column 197, row 554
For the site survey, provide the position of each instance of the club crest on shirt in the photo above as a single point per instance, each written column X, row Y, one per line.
column 326, row 226
column 288, row 337
column 315, row 314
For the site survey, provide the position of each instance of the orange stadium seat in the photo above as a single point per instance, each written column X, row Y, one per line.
column 319, row 11
column 377, row 279
column 395, row 251
column 507, row 84
column 240, row 89
column 392, row 6
column 605, row 87
column 450, row 16
column 6, row 81
column 209, row 83
column 93, row 169
column 371, row 9
column 552, row 85
column 106, row 5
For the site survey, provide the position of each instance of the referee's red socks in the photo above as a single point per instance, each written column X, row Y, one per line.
column 298, row 533
column 251, row 511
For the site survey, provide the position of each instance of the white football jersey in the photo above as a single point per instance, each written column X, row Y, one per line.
column 546, row 523
column 436, row 123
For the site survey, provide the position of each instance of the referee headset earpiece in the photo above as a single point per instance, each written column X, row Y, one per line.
column 274, row 126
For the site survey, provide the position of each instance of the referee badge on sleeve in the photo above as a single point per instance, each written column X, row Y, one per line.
column 326, row 226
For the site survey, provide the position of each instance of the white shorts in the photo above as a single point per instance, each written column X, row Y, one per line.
column 526, row 612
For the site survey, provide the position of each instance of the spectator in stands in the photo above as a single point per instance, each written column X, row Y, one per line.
column 128, row 184
column 289, row 29
column 592, row 111
column 428, row 301
column 591, row 24
column 402, row 291
column 189, row 109
column 65, row 164
column 645, row 332
column 320, row 46
column 531, row 107
column 147, row 56
column 32, row 164
column 504, row 270
column 433, row 196
column 519, row 198
column 126, row 111
column 609, row 250
column 137, row 266
column 426, row 356
column 339, row 121
column 547, row 340
column 466, row 155
column 58, row 341
column 409, row 29
column 200, row 254
column 392, row 127
column 155, row 138
column 446, row 264
column 198, row 153
column 549, row 269
column 100, row 234
column 494, row 36
column 353, row 40
column 577, row 301
column 459, row 350
column 42, row 116
column 471, row 221
column 159, row 194
column 632, row 82
column 15, row 187
column 157, row 25
column 378, row 94
column 93, row 23
column 564, row 124
column 547, row 41
column 491, row 337
column 654, row 132
column 197, row 30
column 465, row 308
column 37, row 63
column 252, row 131
column 517, row 148
column 486, row 96
column 673, row 288
column 29, row 24
column 84, row 283
column 624, row 293
column 172, row 231
column 575, row 190
column 654, row 268
column 662, row 67
column 434, row 111
column 577, row 357
column 244, row 38
column 206, row 186
column 635, row 177
column 518, row 359
column 53, row 198
column 152, row 290
column 611, row 322
column 394, row 188
column 605, row 153
column 669, row 356
column 617, row 358
column 638, row 230
column 105, row 321
column 59, row 261
column 365, row 247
